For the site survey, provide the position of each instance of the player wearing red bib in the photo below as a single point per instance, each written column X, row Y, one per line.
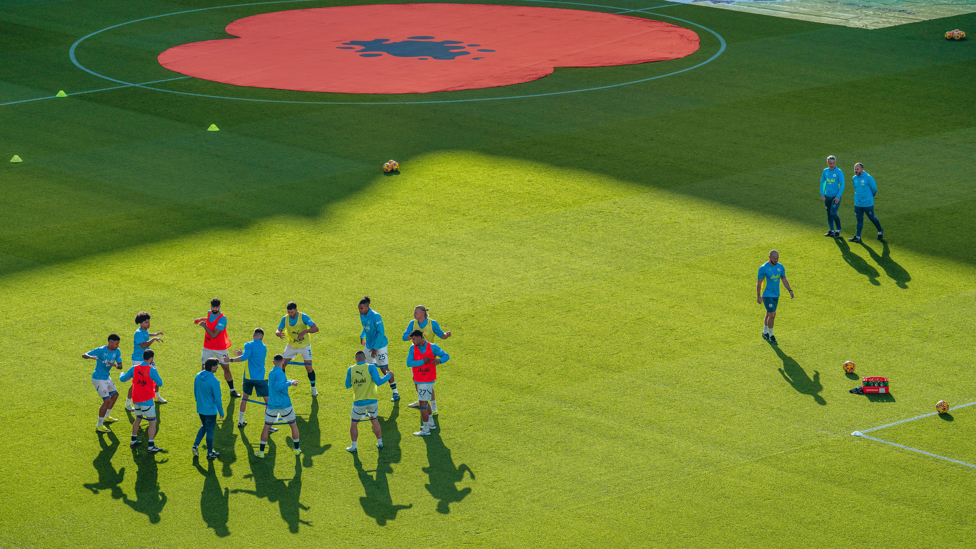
column 423, row 358
column 216, row 342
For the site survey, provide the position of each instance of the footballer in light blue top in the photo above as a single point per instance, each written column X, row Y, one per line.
column 206, row 390
column 831, row 189
column 373, row 334
column 438, row 352
column 152, row 374
column 103, row 356
column 141, row 336
column 255, row 353
column 420, row 325
column 373, row 373
column 278, row 384
column 771, row 272
column 864, row 189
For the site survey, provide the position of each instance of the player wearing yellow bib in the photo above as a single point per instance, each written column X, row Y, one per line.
column 363, row 379
column 295, row 328
column 422, row 321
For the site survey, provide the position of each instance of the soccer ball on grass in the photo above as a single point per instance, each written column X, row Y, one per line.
column 849, row 367
column 942, row 407
column 391, row 166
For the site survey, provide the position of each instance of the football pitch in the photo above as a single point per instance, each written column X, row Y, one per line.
column 591, row 238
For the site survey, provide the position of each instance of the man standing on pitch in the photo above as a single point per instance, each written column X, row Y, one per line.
column 831, row 189
column 141, row 341
column 295, row 327
column 422, row 321
column 144, row 380
column 772, row 272
column 279, row 405
column 363, row 379
column 105, row 357
column 374, row 342
column 423, row 358
column 206, row 389
column 216, row 342
column 254, row 353
column 864, row 192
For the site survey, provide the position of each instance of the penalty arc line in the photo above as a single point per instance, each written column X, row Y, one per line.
column 646, row 9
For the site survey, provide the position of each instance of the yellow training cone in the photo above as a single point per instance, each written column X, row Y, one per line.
column 213, row 128
column 16, row 159
column 61, row 94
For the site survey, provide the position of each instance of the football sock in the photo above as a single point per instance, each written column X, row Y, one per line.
column 128, row 402
column 240, row 418
column 353, row 445
column 433, row 405
column 100, row 421
column 108, row 412
column 765, row 329
column 393, row 386
column 770, row 331
column 311, row 377
column 134, row 438
column 230, row 383
column 378, row 441
column 295, row 441
column 263, row 444
column 152, row 442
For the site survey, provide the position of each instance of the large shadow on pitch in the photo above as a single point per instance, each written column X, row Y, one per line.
column 214, row 503
column 286, row 493
column 378, row 502
column 310, row 434
column 444, row 475
column 797, row 377
column 108, row 478
column 225, row 438
column 149, row 499
column 857, row 262
column 891, row 268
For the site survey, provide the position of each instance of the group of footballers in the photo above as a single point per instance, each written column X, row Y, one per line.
column 372, row 370
column 831, row 190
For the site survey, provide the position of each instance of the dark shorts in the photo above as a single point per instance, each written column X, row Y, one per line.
column 770, row 303
column 260, row 386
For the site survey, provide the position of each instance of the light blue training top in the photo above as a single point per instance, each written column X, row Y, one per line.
column 152, row 373
column 373, row 333
column 864, row 190
column 278, row 384
column 255, row 353
column 832, row 182
column 206, row 389
column 102, row 370
column 772, row 274
column 141, row 336
column 438, row 352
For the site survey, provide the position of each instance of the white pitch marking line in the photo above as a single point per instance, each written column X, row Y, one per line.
column 956, row 461
column 912, row 419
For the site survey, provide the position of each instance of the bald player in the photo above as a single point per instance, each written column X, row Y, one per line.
column 771, row 272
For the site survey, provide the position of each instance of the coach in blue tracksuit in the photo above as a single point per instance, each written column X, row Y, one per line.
column 831, row 189
column 864, row 192
column 206, row 389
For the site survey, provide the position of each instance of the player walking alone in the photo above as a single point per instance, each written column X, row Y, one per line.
column 374, row 342
column 771, row 272
column 105, row 358
column 865, row 190
column 295, row 327
column 363, row 379
column 216, row 342
column 422, row 321
column 831, row 189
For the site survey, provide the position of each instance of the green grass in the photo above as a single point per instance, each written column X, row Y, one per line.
column 594, row 255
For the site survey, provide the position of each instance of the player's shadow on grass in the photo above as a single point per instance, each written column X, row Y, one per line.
column 225, row 438
column 310, row 435
column 391, row 437
column 287, row 494
column 894, row 271
column 857, row 262
column 443, row 474
column 108, row 477
column 214, row 503
column 378, row 502
column 149, row 499
column 797, row 377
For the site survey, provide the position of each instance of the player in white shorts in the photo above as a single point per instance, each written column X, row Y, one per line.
column 295, row 328
column 363, row 378
column 374, row 342
column 106, row 357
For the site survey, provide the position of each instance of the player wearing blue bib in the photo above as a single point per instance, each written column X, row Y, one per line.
column 140, row 342
column 771, row 272
column 831, row 189
column 865, row 190
column 105, row 357
column 255, row 352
